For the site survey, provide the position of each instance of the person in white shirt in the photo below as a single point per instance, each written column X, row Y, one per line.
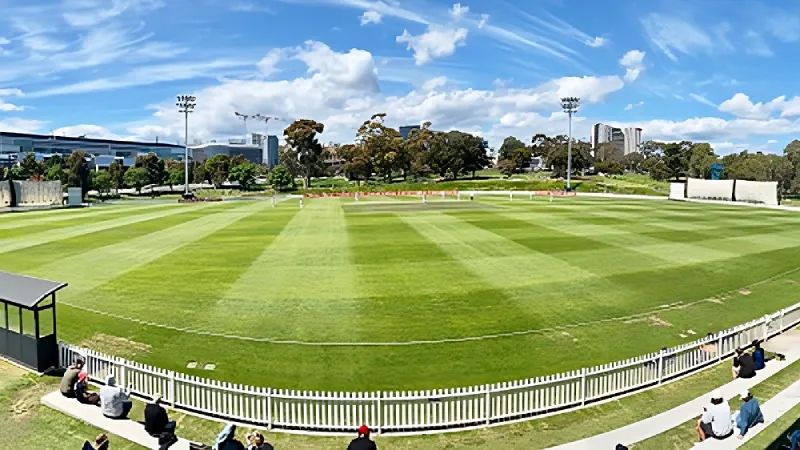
column 716, row 419
column 115, row 402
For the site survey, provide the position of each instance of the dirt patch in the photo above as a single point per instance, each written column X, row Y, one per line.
column 658, row 322
column 115, row 345
column 22, row 408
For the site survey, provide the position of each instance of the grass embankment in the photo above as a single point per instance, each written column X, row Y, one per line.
column 31, row 425
column 684, row 436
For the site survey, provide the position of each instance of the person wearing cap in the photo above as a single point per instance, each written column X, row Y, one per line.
column 749, row 414
column 82, row 390
column 156, row 420
column 67, row 386
column 716, row 419
column 362, row 442
column 256, row 441
column 115, row 402
column 743, row 365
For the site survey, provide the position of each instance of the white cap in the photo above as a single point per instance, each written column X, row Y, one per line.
column 745, row 393
column 717, row 394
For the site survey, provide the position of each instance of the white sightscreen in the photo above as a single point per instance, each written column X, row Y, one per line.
column 757, row 192
column 677, row 191
column 5, row 194
column 709, row 189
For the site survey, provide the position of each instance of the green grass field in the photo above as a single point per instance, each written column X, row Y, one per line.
column 392, row 294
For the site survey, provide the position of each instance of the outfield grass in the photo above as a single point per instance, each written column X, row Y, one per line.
column 337, row 275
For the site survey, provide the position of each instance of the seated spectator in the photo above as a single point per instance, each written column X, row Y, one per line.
column 759, row 358
column 794, row 440
column 716, row 419
column 100, row 443
column 226, row 439
column 362, row 442
column 156, row 420
column 749, row 414
column 82, row 390
column 67, row 386
column 710, row 346
column 256, row 441
column 743, row 365
column 115, row 402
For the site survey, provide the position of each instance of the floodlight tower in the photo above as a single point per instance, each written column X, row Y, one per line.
column 186, row 104
column 570, row 106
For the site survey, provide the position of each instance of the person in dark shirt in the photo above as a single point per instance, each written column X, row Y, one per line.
column 362, row 442
column 743, row 365
column 156, row 420
column 759, row 358
column 82, row 391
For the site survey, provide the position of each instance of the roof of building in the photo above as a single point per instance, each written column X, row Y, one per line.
column 45, row 137
column 24, row 291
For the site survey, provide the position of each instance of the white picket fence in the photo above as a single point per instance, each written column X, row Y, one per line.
column 425, row 411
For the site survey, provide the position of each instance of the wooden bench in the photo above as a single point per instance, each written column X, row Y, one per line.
column 126, row 429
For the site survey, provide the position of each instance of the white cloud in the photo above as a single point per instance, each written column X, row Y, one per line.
column 436, row 42
column 434, row 83
column 756, row 45
column 631, row 106
column 249, row 7
column 633, row 62
column 371, row 17
column 772, row 141
column 702, row 99
column 16, row 125
column 672, row 35
column 740, row 105
column 352, row 70
column 458, row 11
column 10, row 92
column 598, row 41
column 268, row 64
column 784, row 27
column 387, row 8
column 88, row 130
column 484, row 20
column 4, row 41
column 10, row 107
column 89, row 13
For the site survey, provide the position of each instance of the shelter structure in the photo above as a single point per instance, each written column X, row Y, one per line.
column 28, row 321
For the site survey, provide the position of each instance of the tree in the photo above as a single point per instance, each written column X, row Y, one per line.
column 607, row 151
column 175, row 174
column 117, row 173
column 31, row 168
column 418, row 147
column 383, row 145
column 154, row 166
column 56, row 173
column 676, row 157
column 656, row 168
column 301, row 137
column 101, row 182
column 700, row 158
column 16, row 172
column 609, row 167
column 632, row 162
column 472, row 151
column 245, row 173
column 555, row 151
column 507, row 167
column 357, row 165
column 510, row 144
column 444, row 156
column 136, row 177
column 78, row 175
column 217, row 168
column 199, row 174
column 280, row 178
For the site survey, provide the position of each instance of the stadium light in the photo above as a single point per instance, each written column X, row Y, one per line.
column 570, row 106
column 186, row 104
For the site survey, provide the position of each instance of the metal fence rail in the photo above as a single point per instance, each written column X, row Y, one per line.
column 427, row 410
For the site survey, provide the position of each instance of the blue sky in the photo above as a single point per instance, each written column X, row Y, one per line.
column 717, row 71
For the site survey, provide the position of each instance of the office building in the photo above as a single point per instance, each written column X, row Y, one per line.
column 405, row 131
column 234, row 147
column 273, row 152
column 627, row 140
column 14, row 147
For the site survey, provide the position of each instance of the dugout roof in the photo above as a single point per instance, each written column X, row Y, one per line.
column 24, row 291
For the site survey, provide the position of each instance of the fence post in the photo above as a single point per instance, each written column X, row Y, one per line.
column 487, row 399
column 719, row 347
column 172, row 398
column 269, row 408
column 661, row 366
column 380, row 412
column 780, row 319
column 766, row 327
column 123, row 378
column 583, row 386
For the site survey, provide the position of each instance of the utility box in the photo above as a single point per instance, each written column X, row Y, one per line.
column 74, row 196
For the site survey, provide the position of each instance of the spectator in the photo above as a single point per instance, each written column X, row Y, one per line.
column 70, row 377
column 115, row 402
column 759, row 359
column 82, row 390
column 362, row 442
column 794, row 440
column 100, row 443
column 226, row 439
column 743, row 365
column 749, row 414
column 257, row 442
column 156, row 420
column 716, row 419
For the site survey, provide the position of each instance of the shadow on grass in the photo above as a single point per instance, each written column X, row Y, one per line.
column 782, row 442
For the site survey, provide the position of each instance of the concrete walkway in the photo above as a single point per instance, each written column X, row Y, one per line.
column 787, row 343
column 126, row 429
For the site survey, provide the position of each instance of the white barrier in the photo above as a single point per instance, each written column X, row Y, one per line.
column 426, row 410
column 677, row 191
column 765, row 192
column 5, row 194
column 709, row 189
column 38, row 193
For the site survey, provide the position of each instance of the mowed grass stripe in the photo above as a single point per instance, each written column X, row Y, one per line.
column 30, row 218
column 303, row 284
column 88, row 271
column 43, row 237
column 401, row 270
column 26, row 259
column 213, row 263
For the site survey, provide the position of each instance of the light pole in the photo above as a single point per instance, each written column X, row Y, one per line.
column 570, row 106
column 186, row 104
